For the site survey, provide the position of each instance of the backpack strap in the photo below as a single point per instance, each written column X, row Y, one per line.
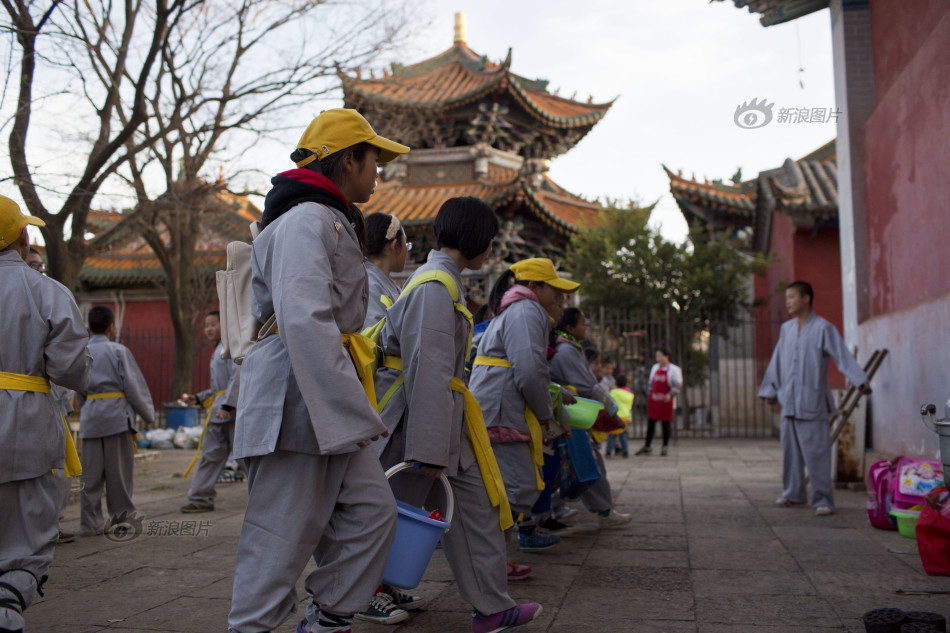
column 396, row 363
column 449, row 282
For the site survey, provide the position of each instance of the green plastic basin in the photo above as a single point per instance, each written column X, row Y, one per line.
column 906, row 521
column 583, row 412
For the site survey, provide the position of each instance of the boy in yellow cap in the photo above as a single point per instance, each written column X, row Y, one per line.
column 315, row 487
column 43, row 339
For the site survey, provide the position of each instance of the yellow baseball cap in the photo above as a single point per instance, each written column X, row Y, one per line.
column 13, row 221
column 542, row 269
column 340, row 128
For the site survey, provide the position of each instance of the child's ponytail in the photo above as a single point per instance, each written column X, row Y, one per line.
column 498, row 291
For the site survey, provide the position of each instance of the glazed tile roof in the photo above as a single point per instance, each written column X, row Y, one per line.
column 419, row 204
column 708, row 199
column 780, row 11
column 459, row 76
column 129, row 262
column 806, row 190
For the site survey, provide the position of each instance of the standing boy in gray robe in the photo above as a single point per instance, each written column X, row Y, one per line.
column 107, row 408
column 315, row 488
column 218, row 436
column 797, row 378
column 43, row 339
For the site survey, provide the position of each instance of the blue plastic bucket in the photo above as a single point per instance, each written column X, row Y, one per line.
column 416, row 538
column 177, row 415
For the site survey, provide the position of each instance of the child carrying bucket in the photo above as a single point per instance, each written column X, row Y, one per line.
column 511, row 381
column 437, row 424
column 570, row 367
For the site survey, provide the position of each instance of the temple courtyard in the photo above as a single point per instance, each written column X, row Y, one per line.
column 706, row 552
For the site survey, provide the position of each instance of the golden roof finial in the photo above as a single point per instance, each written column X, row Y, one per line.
column 459, row 28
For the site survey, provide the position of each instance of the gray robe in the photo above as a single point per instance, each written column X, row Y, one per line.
column 379, row 284
column 225, row 376
column 569, row 367
column 113, row 369
column 431, row 337
column 519, row 335
column 425, row 330
column 301, row 384
column 797, row 374
column 44, row 336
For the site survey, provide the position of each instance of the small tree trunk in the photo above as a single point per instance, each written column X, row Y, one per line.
column 64, row 259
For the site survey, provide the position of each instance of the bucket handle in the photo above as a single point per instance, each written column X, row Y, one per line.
column 449, row 497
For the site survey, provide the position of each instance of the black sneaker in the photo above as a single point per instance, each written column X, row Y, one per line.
column 554, row 526
column 194, row 508
column 383, row 611
column 405, row 600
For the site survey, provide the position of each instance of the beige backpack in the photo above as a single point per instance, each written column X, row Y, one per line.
column 239, row 328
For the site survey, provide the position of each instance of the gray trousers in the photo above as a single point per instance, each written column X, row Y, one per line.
column 598, row 497
column 518, row 472
column 65, row 484
column 28, row 531
column 337, row 508
column 105, row 461
column 806, row 443
column 475, row 545
column 215, row 451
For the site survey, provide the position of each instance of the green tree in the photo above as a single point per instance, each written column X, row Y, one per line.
column 699, row 285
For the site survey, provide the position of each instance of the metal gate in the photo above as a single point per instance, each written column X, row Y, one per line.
column 722, row 367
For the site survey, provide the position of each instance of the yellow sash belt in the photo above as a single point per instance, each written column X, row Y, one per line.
column 534, row 426
column 207, row 403
column 38, row 384
column 109, row 394
column 484, row 456
column 113, row 394
column 363, row 353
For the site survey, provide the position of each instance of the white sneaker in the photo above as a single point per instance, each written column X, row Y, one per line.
column 563, row 512
column 613, row 520
column 823, row 511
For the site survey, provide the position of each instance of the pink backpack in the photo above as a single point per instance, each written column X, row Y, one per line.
column 914, row 478
column 880, row 494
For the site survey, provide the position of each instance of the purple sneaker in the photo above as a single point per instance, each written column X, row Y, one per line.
column 515, row 616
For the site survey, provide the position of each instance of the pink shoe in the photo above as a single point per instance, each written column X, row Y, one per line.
column 515, row 616
column 518, row 572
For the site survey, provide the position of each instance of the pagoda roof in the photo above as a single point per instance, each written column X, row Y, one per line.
column 708, row 201
column 459, row 76
column 128, row 261
column 806, row 190
column 550, row 203
column 781, row 11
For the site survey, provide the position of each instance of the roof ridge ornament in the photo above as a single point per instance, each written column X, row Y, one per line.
column 460, row 35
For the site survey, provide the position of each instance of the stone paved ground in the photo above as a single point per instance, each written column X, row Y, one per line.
column 705, row 553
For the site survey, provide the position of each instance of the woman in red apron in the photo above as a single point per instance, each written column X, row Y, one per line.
column 666, row 380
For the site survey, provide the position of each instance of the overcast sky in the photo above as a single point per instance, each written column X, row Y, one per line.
column 678, row 68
